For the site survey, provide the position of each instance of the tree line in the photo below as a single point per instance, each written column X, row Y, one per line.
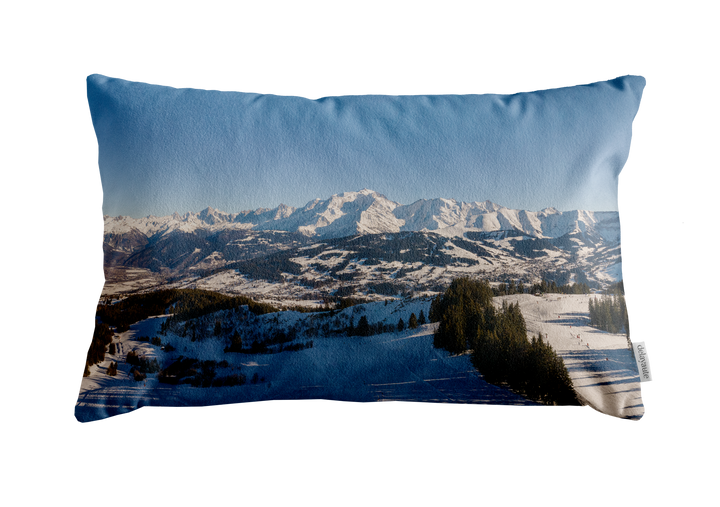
column 102, row 337
column 498, row 339
column 193, row 303
column 198, row 373
column 185, row 303
column 543, row 287
column 365, row 328
column 279, row 341
column 611, row 312
column 135, row 308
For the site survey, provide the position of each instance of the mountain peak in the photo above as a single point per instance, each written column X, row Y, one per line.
column 283, row 211
column 355, row 195
column 368, row 212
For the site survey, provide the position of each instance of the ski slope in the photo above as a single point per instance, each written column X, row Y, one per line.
column 602, row 368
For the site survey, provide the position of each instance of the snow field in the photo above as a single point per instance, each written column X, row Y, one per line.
column 390, row 366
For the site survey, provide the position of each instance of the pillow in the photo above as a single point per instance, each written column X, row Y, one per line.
column 459, row 249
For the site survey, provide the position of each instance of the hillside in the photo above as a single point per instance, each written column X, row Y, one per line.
column 360, row 243
column 291, row 355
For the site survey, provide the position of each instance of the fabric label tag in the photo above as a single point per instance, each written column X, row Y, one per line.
column 643, row 363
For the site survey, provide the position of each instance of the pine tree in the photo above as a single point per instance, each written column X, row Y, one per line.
column 533, row 381
column 618, row 313
column 413, row 323
column 436, row 309
column 560, row 388
column 401, row 325
column 451, row 331
column 112, row 369
column 614, row 314
column 600, row 313
column 606, row 313
column 363, row 327
column 236, row 342
column 132, row 358
column 421, row 319
column 628, row 320
column 99, row 349
column 487, row 356
column 460, row 311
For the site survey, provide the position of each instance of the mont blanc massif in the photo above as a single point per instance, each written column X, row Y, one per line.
column 359, row 244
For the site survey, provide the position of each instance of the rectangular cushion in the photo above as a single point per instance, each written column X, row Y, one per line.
column 454, row 248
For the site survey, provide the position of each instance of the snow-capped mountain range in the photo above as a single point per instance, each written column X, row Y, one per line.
column 363, row 242
column 368, row 212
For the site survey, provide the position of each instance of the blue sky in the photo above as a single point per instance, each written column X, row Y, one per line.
column 163, row 150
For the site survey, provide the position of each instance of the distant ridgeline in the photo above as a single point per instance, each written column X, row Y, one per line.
column 501, row 351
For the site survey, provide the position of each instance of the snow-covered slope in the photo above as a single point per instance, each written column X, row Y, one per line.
column 327, row 361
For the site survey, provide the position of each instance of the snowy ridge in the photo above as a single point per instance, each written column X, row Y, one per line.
column 368, row 212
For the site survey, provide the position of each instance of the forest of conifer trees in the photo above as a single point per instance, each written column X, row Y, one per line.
column 543, row 287
column 501, row 351
column 609, row 313
column 102, row 337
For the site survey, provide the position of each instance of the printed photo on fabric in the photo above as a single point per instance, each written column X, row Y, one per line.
column 446, row 248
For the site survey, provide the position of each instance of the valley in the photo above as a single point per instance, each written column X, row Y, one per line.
column 359, row 244
column 376, row 267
